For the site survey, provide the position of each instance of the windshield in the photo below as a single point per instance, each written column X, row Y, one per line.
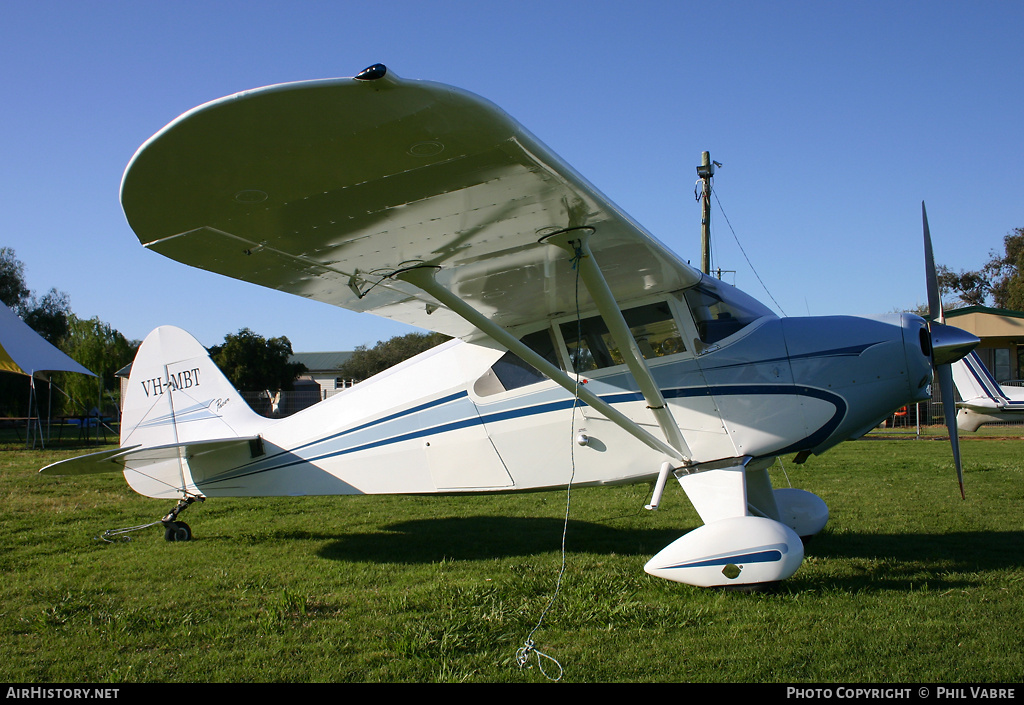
column 719, row 310
column 592, row 347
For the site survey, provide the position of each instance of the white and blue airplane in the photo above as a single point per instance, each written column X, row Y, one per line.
column 983, row 399
column 584, row 352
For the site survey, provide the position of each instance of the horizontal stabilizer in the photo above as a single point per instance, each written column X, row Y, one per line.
column 137, row 457
column 169, row 470
column 159, row 471
column 91, row 464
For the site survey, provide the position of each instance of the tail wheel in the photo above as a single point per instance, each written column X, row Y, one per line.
column 177, row 531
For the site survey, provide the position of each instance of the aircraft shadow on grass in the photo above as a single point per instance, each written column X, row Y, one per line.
column 890, row 561
column 488, row 537
column 944, row 561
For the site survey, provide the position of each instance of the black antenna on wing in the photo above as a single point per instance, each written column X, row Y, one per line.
column 372, row 73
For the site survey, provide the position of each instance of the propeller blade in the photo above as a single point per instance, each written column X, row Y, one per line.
column 948, row 345
column 931, row 278
column 945, row 373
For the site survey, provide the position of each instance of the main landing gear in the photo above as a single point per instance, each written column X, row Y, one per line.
column 175, row 530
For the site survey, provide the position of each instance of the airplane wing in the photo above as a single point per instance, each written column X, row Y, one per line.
column 325, row 188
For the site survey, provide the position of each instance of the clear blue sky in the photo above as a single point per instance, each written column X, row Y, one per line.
column 833, row 122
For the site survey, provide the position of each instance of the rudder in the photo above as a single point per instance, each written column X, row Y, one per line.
column 176, row 394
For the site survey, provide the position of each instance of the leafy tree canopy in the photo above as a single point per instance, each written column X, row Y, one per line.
column 366, row 362
column 100, row 348
column 48, row 316
column 999, row 283
column 253, row 362
column 13, row 290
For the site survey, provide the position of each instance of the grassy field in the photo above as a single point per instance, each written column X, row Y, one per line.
column 907, row 584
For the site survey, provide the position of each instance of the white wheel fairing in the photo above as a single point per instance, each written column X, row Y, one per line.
column 804, row 512
column 737, row 551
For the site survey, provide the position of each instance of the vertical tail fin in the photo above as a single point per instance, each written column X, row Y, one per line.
column 983, row 399
column 176, row 394
column 974, row 381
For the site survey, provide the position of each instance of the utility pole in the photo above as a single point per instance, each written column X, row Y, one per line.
column 705, row 171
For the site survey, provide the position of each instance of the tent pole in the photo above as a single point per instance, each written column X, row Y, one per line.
column 31, row 429
column 28, row 414
column 49, row 407
column 39, row 424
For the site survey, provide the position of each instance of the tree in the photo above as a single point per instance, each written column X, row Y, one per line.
column 100, row 348
column 1008, row 273
column 971, row 288
column 13, row 290
column 999, row 282
column 366, row 362
column 47, row 316
column 50, row 316
column 253, row 362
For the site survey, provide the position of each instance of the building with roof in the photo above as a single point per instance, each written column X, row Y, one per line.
column 323, row 369
column 1001, row 332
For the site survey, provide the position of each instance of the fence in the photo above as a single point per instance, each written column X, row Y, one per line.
column 931, row 414
column 280, row 404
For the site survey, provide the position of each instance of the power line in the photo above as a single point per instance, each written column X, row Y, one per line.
column 749, row 263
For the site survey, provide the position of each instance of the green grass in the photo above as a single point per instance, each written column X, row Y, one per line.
column 907, row 584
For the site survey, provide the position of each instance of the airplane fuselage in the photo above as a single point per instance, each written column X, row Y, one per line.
column 439, row 423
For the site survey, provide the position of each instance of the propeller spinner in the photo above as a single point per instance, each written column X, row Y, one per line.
column 948, row 344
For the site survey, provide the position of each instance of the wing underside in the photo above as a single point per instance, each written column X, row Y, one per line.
column 324, row 189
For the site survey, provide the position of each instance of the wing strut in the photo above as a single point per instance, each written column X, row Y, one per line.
column 422, row 277
column 576, row 241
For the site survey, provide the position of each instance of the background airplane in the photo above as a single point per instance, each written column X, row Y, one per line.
column 585, row 352
column 983, row 399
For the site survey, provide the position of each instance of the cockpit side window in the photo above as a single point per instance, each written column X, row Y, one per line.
column 514, row 372
column 591, row 346
column 720, row 310
column 511, row 371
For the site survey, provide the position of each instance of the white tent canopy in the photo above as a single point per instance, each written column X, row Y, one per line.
column 25, row 352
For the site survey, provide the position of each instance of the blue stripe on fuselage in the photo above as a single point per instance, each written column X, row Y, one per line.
column 470, row 416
